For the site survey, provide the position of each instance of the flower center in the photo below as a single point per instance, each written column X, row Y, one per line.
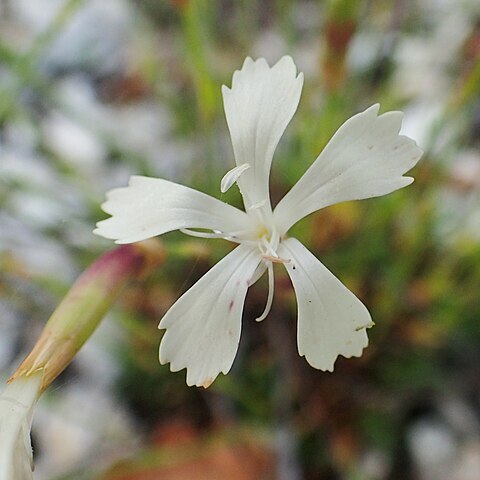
column 267, row 239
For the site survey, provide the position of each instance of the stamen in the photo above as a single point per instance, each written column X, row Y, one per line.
column 271, row 284
column 236, row 237
column 232, row 176
column 267, row 249
column 276, row 259
column 194, row 233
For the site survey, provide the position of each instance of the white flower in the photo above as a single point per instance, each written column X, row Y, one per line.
column 16, row 410
column 365, row 158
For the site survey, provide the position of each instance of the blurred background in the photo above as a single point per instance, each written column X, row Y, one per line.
column 92, row 91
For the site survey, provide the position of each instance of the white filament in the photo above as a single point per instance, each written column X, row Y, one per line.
column 194, row 233
column 232, row 176
column 232, row 237
column 271, row 284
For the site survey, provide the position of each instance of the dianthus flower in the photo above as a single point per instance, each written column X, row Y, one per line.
column 365, row 158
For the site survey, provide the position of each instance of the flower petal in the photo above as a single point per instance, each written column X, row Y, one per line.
column 331, row 319
column 153, row 206
column 16, row 410
column 365, row 158
column 203, row 326
column 258, row 108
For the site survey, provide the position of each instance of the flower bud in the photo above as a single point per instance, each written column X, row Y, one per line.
column 80, row 312
column 70, row 325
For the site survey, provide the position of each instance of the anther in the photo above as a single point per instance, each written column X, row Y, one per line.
column 273, row 259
